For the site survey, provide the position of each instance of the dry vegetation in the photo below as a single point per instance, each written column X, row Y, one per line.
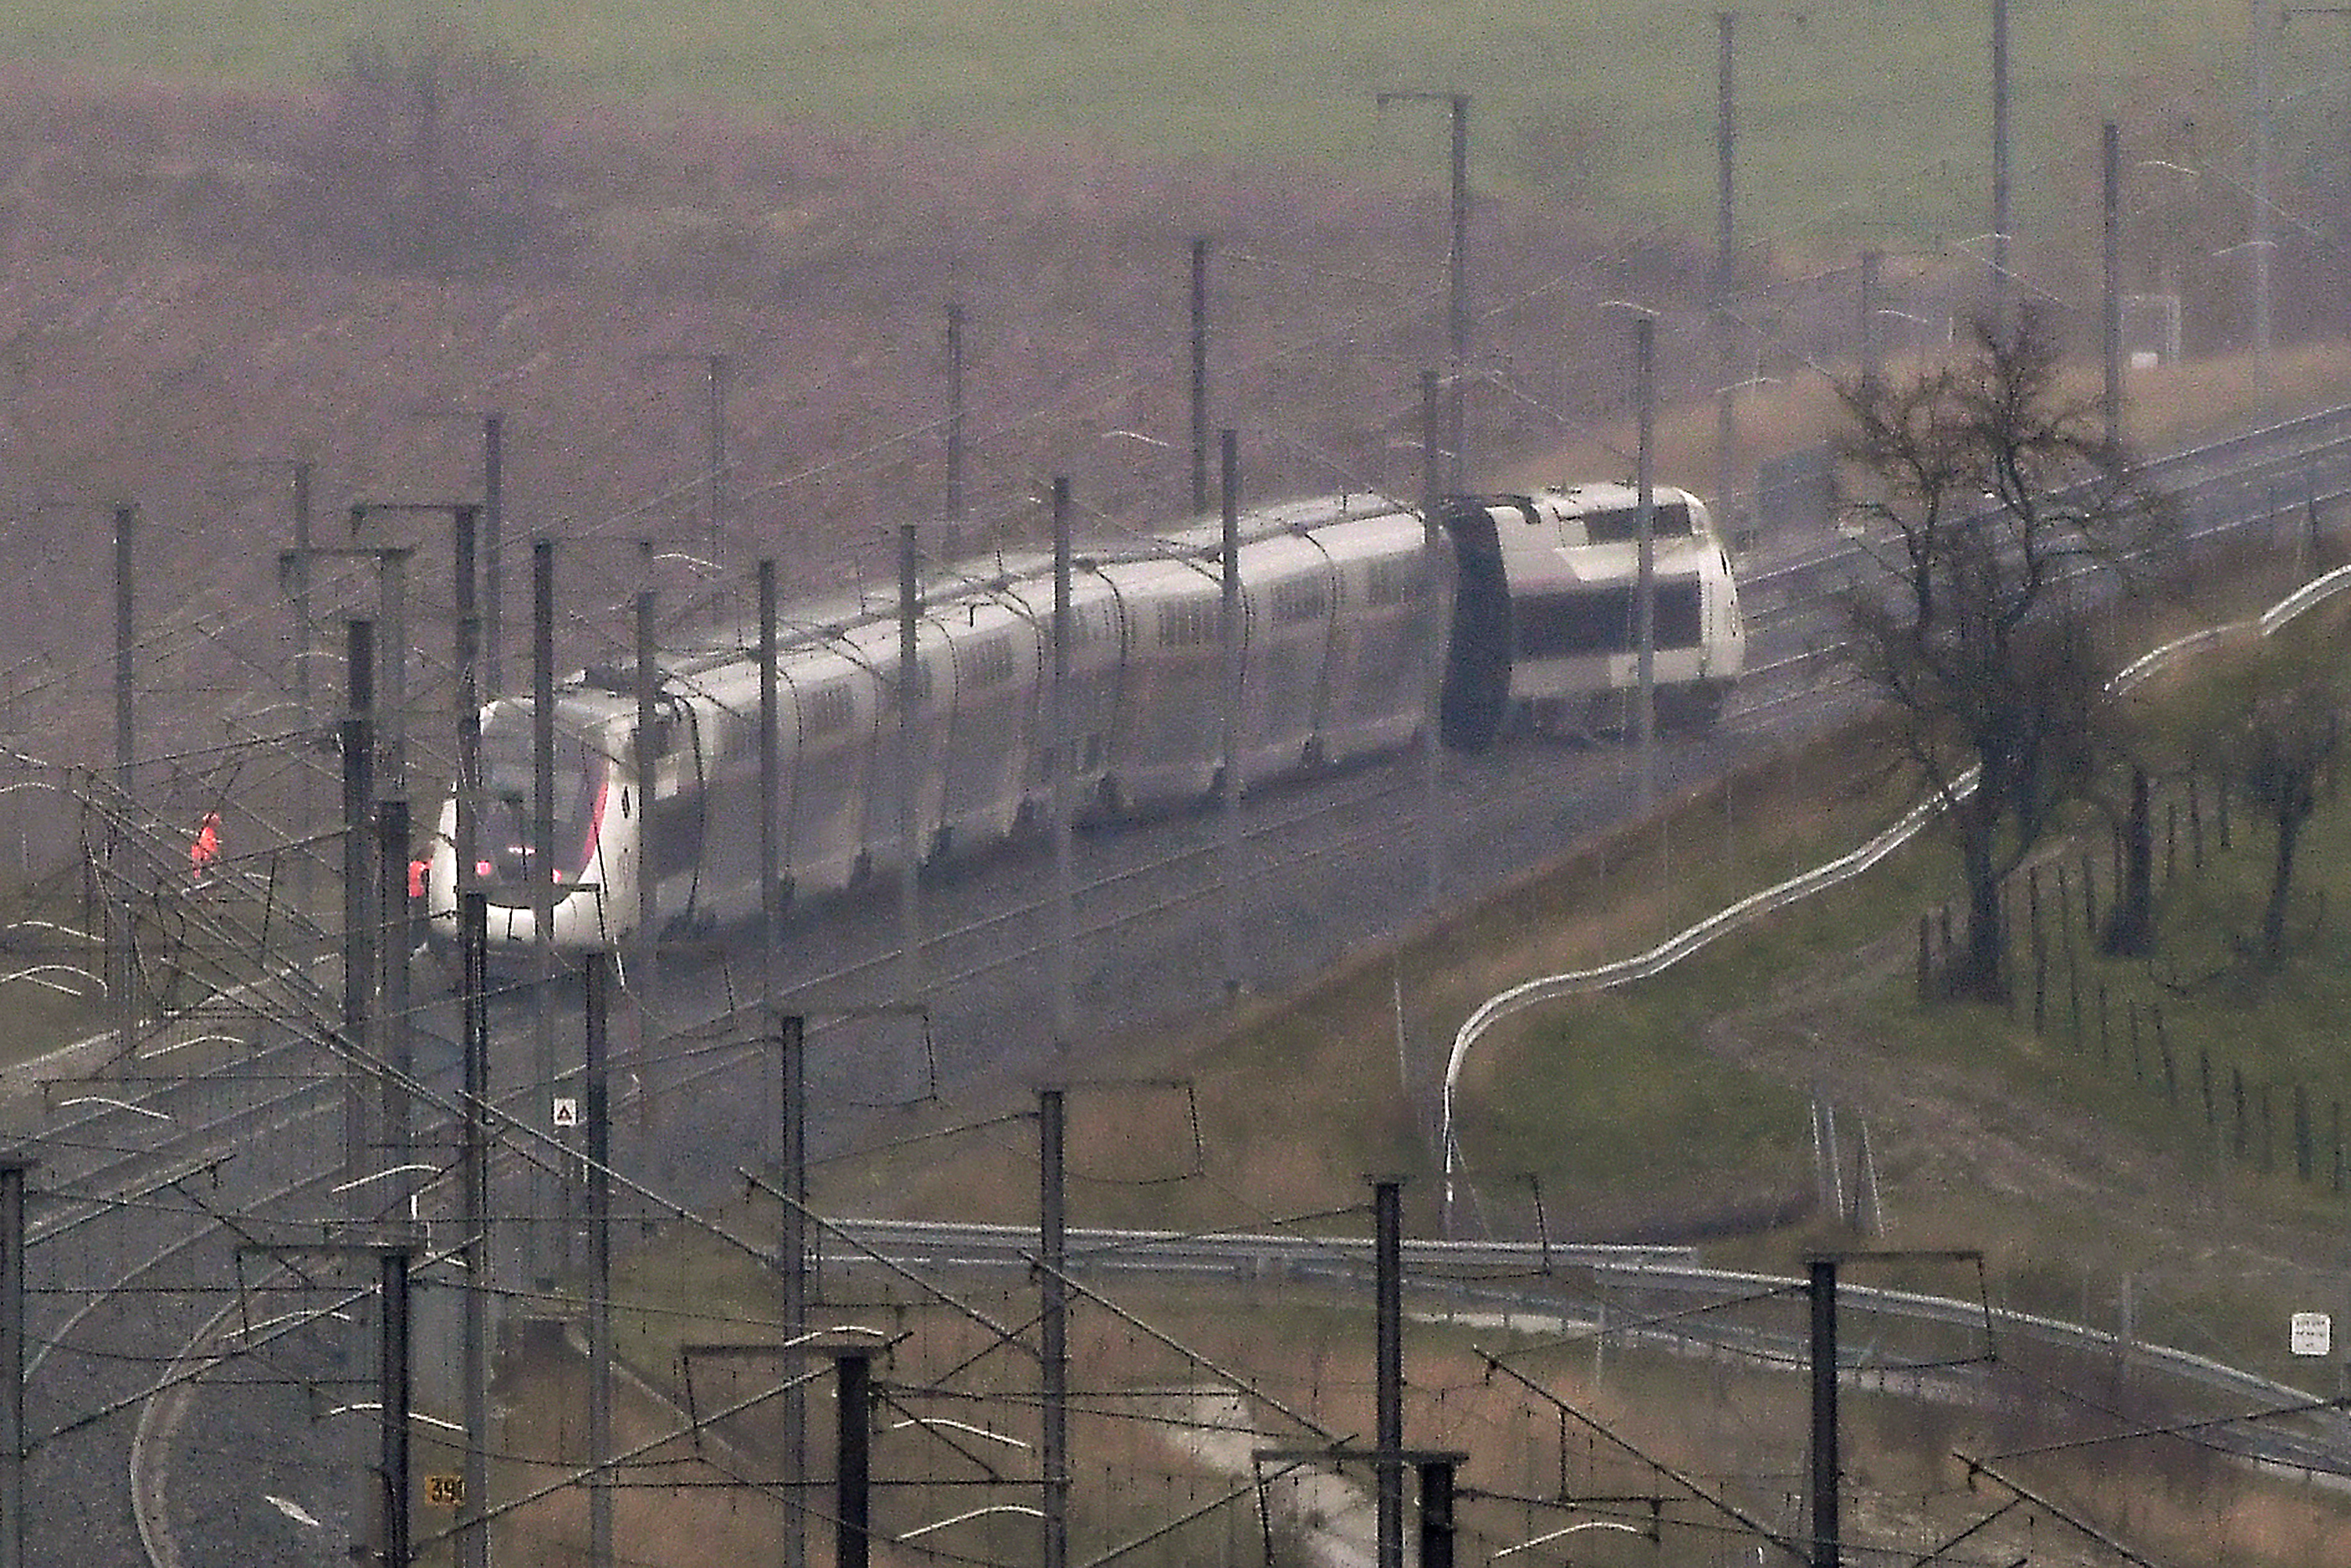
column 201, row 289
column 203, row 286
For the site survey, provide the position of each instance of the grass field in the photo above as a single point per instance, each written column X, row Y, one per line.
column 2071, row 1159
column 2096, row 1192
column 1865, row 122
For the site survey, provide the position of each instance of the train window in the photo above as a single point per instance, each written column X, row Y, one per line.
column 508, row 825
column 1602, row 620
column 1301, row 600
column 990, row 663
column 1622, row 525
column 1392, row 581
column 828, row 710
column 1191, row 625
column 1087, row 625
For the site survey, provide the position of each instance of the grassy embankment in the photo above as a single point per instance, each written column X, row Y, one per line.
column 2069, row 1168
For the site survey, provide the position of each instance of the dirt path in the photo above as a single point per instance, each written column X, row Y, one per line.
column 1958, row 1146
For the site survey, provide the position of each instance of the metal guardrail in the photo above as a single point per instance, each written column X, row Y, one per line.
column 1674, row 949
column 1472, row 1270
column 1257, row 1254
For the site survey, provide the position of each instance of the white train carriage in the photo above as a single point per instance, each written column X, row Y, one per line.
column 1375, row 675
column 1000, row 660
column 1287, row 599
column 828, row 707
column 1546, row 623
column 1535, row 601
column 1169, row 741
column 1093, row 687
column 896, row 747
column 593, row 840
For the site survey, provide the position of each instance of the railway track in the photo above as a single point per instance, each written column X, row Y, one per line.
column 1323, row 867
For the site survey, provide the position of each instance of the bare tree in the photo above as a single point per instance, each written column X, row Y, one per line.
column 2273, row 729
column 1984, row 489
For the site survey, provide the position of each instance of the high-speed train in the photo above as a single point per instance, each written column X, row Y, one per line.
column 1531, row 599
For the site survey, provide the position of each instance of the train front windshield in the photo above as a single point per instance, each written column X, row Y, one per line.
column 507, row 831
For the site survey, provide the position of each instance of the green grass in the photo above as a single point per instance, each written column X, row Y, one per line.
column 1867, row 121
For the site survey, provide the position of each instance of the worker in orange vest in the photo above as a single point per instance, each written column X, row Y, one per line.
column 420, row 874
column 206, row 848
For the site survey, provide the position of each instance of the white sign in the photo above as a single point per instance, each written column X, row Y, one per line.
column 566, row 1110
column 2312, row 1334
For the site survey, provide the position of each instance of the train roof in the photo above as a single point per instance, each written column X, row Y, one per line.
column 843, row 618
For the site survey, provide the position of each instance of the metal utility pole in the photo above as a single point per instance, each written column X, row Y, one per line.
column 395, row 1391
column 1457, row 308
column 493, row 535
column 1999, row 280
column 1873, row 346
column 954, row 410
column 126, row 522
column 1064, row 742
column 1726, row 267
column 391, row 592
column 2264, row 21
column 2110, row 205
column 358, row 926
column 394, row 1049
column 1436, row 1515
column 548, row 1193
column 647, row 978
column 645, row 759
column 722, row 372
column 792, row 1049
column 1825, row 1527
column 1387, row 1245
column 909, row 764
column 492, row 510
column 297, row 582
column 12, row 1169
column 771, row 789
column 596, row 1115
column 852, row 1506
column 1433, row 641
column 1644, row 715
column 1052, row 1251
column 473, row 1545
column 122, row 966
column 1228, row 772
column 473, row 1530
column 1200, row 378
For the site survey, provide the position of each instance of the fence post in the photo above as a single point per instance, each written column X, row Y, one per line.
column 2304, row 1159
column 2163, row 1046
column 2237, row 1094
column 2195, row 823
column 2040, row 951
